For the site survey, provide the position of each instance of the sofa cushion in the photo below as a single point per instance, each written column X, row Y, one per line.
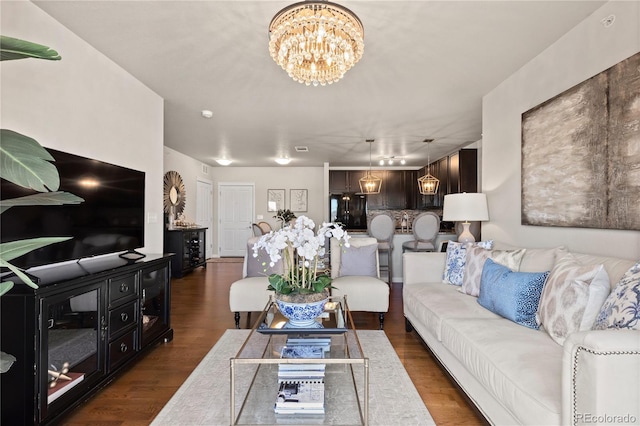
column 572, row 297
column 513, row 295
column 621, row 309
column 476, row 257
column 520, row 367
column 359, row 261
column 456, row 259
column 431, row 303
column 363, row 293
column 541, row 259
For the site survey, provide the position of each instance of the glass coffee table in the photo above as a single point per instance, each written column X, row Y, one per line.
column 260, row 362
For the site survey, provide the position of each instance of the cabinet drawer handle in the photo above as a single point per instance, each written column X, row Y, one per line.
column 124, row 287
column 124, row 317
column 123, row 347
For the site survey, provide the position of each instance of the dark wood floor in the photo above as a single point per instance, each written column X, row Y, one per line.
column 200, row 315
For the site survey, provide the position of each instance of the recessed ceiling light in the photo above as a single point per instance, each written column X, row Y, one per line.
column 301, row 148
column 223, row 161
column 206, row 113
column 283, row 161
column 381, row 162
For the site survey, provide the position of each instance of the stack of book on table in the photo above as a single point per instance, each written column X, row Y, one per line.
column 301, row 386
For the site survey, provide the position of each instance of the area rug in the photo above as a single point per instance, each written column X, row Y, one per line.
column 203, row 399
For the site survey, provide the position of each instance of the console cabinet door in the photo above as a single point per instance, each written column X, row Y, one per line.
column 73, row 330
column 155, row 303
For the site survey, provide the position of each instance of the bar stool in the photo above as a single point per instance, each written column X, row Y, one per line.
column 425, row 232
column 382, row 227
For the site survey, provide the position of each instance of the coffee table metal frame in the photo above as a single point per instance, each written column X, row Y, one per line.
column 352, row 357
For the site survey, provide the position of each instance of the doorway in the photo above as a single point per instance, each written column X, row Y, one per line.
column 204, row 212
column 235, row 216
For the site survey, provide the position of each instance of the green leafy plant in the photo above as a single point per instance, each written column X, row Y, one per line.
column 14, row 48
column 24, row 162
column 285, row 216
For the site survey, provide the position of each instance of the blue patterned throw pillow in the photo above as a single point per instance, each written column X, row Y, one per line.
column 456, row 260
column 512, row 295
column 622, row 308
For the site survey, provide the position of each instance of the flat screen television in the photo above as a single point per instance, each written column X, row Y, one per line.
column 110, row 220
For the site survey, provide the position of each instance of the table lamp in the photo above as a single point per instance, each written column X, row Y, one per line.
column 465, row 207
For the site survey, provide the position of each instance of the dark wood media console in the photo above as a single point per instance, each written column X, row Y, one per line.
column 88, row 321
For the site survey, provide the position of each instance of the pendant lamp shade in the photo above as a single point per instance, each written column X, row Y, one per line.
column 428, row 184
column 370, row 184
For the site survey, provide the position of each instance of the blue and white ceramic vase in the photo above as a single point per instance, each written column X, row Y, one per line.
column 302, row 314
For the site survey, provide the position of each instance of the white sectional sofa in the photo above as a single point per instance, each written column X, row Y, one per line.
column 519, row 375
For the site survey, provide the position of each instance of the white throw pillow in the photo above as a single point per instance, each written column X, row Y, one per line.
column 359, row 261
column 572, row 297
column 476, row 258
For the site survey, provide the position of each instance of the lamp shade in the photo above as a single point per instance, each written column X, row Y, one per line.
column 465, row 207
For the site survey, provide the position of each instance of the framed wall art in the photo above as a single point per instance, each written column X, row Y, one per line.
column 275, row 200
column 580, row 157
column 298, row 200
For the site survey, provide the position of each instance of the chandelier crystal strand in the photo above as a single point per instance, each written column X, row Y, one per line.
column 316, row 42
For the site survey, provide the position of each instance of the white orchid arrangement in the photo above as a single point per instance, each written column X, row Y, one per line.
column 302, row 249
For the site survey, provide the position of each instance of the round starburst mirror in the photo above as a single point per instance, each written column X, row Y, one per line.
column 174, row 193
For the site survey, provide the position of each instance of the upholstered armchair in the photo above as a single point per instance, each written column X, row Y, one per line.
column 356, row 274
column 250, row 293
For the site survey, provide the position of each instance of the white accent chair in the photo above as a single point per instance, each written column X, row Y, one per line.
column 250, row 293
column 382, row 227
column 356, row 274
column 425, row 231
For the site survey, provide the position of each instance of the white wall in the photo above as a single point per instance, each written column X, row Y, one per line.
column 585, row 51
column 264, row 178
column 84, row 104
column 190, row 171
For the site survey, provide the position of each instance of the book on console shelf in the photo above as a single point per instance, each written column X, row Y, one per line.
column 63, row 386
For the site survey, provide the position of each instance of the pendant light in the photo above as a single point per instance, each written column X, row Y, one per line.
column 428, row 184
column 370, row 184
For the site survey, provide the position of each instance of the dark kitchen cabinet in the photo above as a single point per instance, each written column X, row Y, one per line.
column 463, row 171
column 345, row 181
column 457, row 173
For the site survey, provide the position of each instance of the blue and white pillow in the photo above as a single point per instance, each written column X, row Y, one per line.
column 512, row 295
column 622, row 308
column 456, row 260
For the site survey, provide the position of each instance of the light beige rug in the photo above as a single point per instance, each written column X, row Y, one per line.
column 203, row 399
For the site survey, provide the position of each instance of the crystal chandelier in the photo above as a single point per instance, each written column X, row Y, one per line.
column 428, row 184
column 370, row 184
column 316, row 42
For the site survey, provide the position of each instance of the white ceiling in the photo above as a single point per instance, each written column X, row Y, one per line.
column 425, row 68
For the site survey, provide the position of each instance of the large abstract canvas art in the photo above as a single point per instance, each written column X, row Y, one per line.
column 581, row 154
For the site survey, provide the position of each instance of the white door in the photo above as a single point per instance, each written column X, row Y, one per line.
column 235, row 213
column 204, row 213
